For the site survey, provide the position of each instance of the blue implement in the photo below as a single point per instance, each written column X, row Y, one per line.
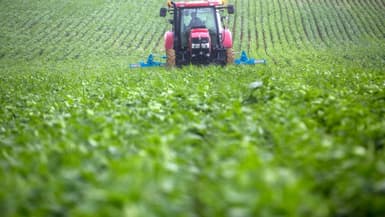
column 244, row 60
column 149, row 63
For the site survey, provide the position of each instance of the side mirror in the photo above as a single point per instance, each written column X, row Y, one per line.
column 163, row 12
column 230, row 9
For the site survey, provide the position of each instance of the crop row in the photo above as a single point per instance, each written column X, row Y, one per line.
column 277, row 26
column 129, row 28
column 111, row 29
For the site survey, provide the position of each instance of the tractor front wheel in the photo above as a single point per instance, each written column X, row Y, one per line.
column 229, row 56
column 170, row 53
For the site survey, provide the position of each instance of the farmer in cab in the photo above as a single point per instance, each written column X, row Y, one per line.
column 195, row 20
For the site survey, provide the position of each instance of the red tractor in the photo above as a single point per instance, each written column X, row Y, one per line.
column 198, row 36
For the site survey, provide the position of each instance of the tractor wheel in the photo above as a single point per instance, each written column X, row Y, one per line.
column 170, row 53
column 229, row 56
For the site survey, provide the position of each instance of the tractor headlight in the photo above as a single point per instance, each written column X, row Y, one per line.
column 195, row 46
column 205, row 45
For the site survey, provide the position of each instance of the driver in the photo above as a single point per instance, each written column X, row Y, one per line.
column 195, row 21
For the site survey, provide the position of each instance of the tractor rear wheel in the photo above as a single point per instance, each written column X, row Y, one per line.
column 170, row 53
column 229, row 56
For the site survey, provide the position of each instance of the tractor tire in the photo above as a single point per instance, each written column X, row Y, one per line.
column 170, row 53
column 229, row 56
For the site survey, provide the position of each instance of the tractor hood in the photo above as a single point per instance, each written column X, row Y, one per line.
column 200, row 33
column 200, row 39
column 200, row 45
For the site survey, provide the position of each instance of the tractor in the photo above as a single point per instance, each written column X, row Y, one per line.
column 198, row 36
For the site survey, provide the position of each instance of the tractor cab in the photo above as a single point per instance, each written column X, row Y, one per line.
column 197, row 36
column 199, row 32
column 198, row 20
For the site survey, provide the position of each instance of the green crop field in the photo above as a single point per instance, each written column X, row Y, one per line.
column 82, row 134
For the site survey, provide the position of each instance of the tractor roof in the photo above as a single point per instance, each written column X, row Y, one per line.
column 194, row 4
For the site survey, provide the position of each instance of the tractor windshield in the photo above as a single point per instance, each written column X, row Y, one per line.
column 197, row 18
